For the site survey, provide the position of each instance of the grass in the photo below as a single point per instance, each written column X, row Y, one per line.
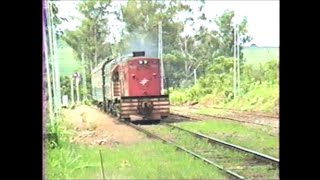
column 149, row 159
column 263, row 98
column 155, row 160
column 258, row 139
column 70, row 161
column 152, row 160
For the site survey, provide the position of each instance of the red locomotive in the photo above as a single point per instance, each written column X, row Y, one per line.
column 130, row 87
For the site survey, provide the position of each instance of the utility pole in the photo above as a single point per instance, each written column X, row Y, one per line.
column 77, row 76
column 234, row 62
column 51, row 61
column 195, row 75
column 78, row 94
column 238, row 57
column 57, row 89
column 160, row 56
column 84, row 81
column 72, row 91
column 47, row 70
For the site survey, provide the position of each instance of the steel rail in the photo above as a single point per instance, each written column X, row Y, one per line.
column 265, row 157
column 230, row 173
column 221, row 117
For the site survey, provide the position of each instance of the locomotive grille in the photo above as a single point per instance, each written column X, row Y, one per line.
column 155, row 106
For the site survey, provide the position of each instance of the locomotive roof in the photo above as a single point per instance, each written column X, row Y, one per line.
column 114, row 61
column 118, row 61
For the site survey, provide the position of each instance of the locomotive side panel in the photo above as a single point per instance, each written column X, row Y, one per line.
column 108, row 80
column 124, row 86
column 115, row 82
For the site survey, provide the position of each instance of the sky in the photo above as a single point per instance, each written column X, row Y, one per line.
column 263, row 17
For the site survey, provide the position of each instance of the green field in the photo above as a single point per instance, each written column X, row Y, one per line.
column 260, row 54
column 68, row 64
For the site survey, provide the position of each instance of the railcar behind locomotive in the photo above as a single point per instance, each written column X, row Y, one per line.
column 129, row 87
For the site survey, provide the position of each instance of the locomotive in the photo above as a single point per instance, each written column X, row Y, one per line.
column 129, row 87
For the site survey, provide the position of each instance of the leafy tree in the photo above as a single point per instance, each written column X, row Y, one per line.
column 142, row 18
column 226, row 34
column 202, row 49
column 89, row 41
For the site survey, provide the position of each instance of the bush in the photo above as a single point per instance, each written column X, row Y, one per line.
column 259, row 87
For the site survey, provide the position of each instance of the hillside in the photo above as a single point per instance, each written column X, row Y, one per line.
column 260, row 54
column 67, row 62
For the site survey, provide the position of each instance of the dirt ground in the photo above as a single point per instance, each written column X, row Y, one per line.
column 93, row 127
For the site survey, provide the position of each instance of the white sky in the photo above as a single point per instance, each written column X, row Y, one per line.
column 263, row 17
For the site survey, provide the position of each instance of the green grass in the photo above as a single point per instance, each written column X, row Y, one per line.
column 260, row 54
column 155, row 160
column 151, row 160
column 263, row 98
column 258, row 139
column 70, row 161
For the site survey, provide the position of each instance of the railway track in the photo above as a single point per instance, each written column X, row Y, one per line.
column 201, row 117
column 252, row 113
column 252, row 157
column 257, row 155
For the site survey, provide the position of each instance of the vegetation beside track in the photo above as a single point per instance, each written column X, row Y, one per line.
column 150, row 159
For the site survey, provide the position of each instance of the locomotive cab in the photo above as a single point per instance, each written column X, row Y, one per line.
column 141, row 97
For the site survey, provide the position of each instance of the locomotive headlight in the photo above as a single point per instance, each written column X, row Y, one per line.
column 140, row 62
column 145, row 61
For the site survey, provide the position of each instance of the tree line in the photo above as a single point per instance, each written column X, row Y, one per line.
column 181, row 54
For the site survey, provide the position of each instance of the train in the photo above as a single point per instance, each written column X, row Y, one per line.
column 130, row 88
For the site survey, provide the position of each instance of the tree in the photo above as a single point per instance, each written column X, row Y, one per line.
column 142, row 18
column 202, row 49
column 141, row 31
column 89, row 41
column 226, row 34
column 91, row 37
column 198, row 50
